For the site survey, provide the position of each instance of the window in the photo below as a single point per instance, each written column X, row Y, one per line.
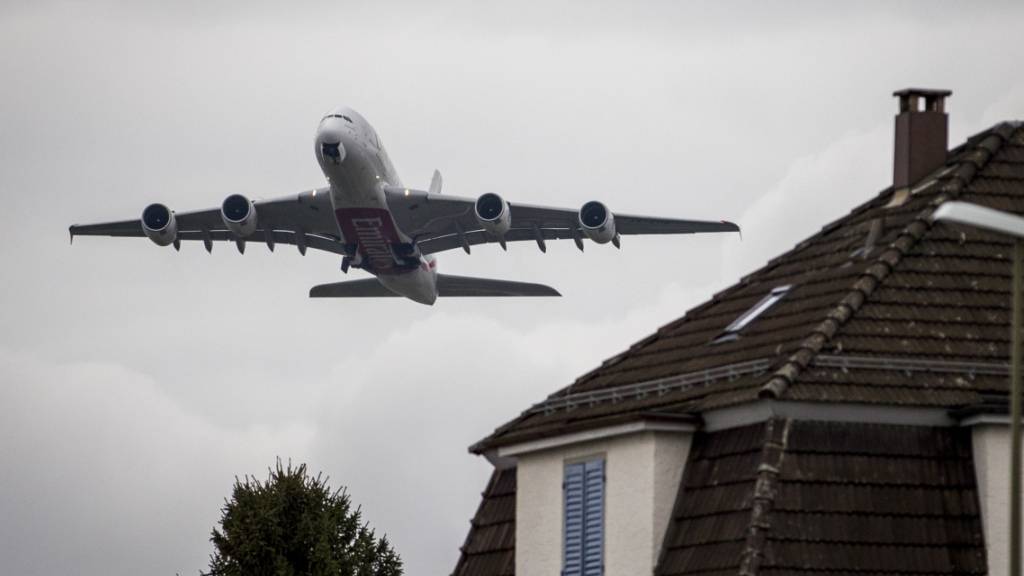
column 342, row 116
column 583, row 504
column 732, row 330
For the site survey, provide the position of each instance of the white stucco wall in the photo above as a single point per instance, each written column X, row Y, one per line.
column 991, row 443
column 643, row 472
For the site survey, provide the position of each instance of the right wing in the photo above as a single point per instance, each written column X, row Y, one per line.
column 440, row 222
column 305, row 220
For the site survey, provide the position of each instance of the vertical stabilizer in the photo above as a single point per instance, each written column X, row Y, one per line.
column 435, row 183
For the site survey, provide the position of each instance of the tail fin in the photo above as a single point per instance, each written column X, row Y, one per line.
column 435, row 183
column 447, row 287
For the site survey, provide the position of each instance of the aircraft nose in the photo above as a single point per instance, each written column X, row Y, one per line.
column 329, row 138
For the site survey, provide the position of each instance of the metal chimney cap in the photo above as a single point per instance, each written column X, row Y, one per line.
column 923, row 92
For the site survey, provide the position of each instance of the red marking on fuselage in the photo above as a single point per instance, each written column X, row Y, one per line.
column 374, row 231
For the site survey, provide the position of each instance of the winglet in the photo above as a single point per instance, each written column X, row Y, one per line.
column 71, row 232
column 735, row 226
column 435, row 183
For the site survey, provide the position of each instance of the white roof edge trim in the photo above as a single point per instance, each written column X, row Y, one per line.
column 986, row 419
column 761, row 410
column 753, row 413
column 595, row 434
column 501, row 463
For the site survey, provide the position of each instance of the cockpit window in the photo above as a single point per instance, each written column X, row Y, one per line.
column 342, row 116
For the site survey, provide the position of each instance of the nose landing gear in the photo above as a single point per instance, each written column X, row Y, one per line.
column 331, row 152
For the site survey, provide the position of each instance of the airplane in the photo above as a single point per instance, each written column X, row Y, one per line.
column 376, row 224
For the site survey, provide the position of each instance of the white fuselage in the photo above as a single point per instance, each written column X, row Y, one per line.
column 358, row 171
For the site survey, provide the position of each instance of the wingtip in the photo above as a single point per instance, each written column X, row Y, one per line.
column 734, row 227
column 71, row 233
column 548, row 291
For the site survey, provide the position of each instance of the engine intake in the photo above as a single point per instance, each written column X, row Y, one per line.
column 597, row 222
column 492, row 213
column 159, row 225
column 239, row 215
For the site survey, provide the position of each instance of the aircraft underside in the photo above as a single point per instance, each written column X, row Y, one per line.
column 380, row 226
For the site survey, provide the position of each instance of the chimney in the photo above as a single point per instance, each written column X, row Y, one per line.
column 922, row 128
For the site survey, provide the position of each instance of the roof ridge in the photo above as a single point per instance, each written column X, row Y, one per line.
column 974, row 158
column 773, row 452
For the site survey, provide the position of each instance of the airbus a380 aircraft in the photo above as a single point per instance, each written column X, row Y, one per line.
column 376, row 224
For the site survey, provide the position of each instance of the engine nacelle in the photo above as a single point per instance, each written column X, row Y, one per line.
column 597, row 222
column 159, row 225
column 493, row 214
column 239, row 215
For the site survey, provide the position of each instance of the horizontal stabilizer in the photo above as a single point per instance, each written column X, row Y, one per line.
column 447, row 287
column 365, row 288
column 466, row 286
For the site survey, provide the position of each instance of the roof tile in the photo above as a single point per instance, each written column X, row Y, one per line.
column 848, row 498
column 922, row 291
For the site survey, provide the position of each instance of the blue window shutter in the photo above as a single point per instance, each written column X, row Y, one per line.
column 583, row 489
column 593, row 518
column 572, row 488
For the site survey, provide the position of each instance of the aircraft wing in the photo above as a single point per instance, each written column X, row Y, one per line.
column 305, row 220
column 440, row 223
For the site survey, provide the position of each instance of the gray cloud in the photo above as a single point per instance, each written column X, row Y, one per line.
column 137, row 382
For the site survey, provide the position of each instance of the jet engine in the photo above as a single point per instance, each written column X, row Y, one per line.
column 493, row 214
column 597, row 222
column 159, row 225
column 239, row 215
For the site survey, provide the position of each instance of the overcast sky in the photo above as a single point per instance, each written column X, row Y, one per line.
column 137, row 382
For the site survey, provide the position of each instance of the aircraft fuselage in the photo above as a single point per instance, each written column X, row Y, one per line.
column 358, row 171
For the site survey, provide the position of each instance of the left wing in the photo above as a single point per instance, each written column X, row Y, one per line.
column 305, row 220
column 439, row 223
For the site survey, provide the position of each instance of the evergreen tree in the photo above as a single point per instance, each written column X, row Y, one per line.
column 294, row 525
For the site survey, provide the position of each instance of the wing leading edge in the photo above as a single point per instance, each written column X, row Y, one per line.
column 436, row 222
column 304, row 220
column 440, row 223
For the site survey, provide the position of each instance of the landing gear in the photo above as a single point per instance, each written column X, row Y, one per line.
column 405, row 257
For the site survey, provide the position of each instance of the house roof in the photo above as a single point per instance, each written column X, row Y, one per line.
column 791, row 497
column 490, row 545
column 876, row 297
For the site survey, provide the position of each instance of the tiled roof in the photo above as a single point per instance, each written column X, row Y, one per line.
column 790, row 497
column 881, row 282
column 796, row 497
column 490, row 546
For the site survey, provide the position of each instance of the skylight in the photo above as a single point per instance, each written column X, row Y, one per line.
column 731, row 331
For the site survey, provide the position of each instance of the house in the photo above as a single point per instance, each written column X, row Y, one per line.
column 842, row 410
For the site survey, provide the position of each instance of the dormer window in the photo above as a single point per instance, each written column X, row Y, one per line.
column 731, row 331
column 596, row 504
